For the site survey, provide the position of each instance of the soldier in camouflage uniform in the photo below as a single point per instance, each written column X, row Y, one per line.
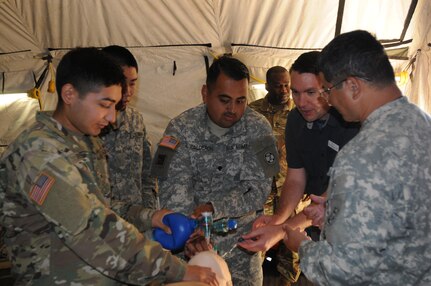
column 59, row 228
column 275, row 106
column 127, row 146
column 220, row 156
column 377, row 228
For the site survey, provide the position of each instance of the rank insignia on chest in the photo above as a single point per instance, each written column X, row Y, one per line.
column 39, row 191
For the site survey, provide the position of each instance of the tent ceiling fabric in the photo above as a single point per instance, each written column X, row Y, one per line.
column 261, row 33
column 33, row 25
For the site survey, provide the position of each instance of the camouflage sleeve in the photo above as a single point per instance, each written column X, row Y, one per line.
column 149, row 183
column 364, row 225
column 137, row 215
column 83, row 222
column 176, row 190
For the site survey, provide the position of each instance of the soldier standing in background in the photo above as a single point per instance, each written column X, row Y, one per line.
column 53, row 177
column 275, row 106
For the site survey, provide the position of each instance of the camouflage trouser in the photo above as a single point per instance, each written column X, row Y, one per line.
column 288, row 261
column 245, row 268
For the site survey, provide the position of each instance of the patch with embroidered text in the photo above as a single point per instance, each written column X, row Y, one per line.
column 41, row 188
column 169, row 142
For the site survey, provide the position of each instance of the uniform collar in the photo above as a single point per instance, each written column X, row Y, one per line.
column 238, row 129
column 73, row 139
column 272, row 108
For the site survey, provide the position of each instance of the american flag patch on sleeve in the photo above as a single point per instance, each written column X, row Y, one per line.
column 169, row 142
column 41, row 188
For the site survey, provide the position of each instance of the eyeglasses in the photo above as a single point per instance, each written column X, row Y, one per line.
column 328, row 89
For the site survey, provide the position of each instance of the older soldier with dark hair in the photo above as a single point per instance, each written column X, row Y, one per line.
column 59, row 228
column 377, row 228
column 220, row 157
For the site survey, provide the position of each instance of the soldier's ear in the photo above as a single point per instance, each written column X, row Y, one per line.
column 204, row 92
column 68, row 93
column 354, row 86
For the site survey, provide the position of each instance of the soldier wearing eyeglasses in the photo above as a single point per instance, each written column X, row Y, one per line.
column 377, row 227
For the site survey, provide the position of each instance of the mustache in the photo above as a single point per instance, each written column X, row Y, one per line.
column 229, row 113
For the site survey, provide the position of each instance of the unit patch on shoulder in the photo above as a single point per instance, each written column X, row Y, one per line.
column 266, row 152
column 270, row 158
column 41, row 188
column 169, row 142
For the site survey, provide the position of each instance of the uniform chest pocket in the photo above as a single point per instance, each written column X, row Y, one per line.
column 81, row 160
column 133, row 144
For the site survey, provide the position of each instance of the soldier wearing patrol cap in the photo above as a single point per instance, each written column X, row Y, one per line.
column 220, row 156
column 59, row 227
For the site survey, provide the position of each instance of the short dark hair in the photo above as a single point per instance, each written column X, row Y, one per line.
column 357, row 54
column 122, row 55
column 307, row 63
column 229, row 66
column 88, row 70
column 274, row 70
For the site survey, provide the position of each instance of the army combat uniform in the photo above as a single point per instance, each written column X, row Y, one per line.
column 129, row 160
column 288, row 262
column 377, row 223
column 60, row 230
column 277, row 117
column 232, row 172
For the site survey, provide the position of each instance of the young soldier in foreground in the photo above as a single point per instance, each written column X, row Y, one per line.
column 59, row 229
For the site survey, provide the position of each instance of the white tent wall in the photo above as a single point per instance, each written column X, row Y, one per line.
column 419, row 87
column 170, row 81
column 163, row 32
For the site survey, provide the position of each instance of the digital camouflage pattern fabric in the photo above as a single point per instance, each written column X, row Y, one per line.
column 129, row 160
column 228, row 171
column 277, row 117
column 377, row 223
column 59, row 228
